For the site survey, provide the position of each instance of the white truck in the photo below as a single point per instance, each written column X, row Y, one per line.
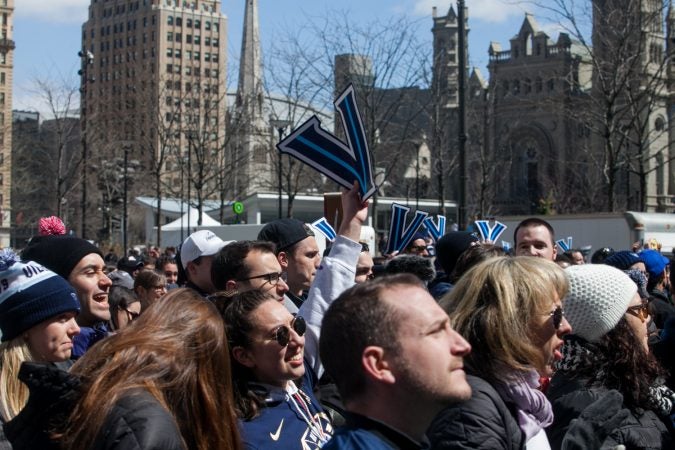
column 618, row 231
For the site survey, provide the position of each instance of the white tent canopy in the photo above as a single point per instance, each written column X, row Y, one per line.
column 193, row 215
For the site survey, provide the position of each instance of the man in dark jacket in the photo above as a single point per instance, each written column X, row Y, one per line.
column 396, row 362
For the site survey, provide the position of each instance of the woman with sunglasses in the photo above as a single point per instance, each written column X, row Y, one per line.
column 273, row 386
column 124, row 306
column 608, row 350
column 510, row 311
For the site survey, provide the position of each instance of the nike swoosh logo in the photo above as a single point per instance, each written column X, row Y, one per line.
column 275, row 436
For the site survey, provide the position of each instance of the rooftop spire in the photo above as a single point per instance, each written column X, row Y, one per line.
column 250, row 87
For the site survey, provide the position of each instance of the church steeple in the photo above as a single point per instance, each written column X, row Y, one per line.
column 250, row 87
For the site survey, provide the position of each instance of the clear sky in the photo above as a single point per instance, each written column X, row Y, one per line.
column 47, row 32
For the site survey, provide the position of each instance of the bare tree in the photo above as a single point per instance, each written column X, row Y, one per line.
column 46, row 166
column 388, row 64
column 625, row 46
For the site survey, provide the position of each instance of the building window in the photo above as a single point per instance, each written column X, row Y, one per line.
column 169, row 52
column 3, row 58
column 207, row 56
column 198, row 23
column 188, row 23
column 207, row 25
column 169, row 20
column 188, row 39
column 179, row 37
column 197, row 56
column 169, row 36
column 179, row 21
column 197, row 40
column 2, row 78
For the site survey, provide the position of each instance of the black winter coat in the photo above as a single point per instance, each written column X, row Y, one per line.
column 635, row 429
column 483, row 422
column 136, row 422
column 139, row 422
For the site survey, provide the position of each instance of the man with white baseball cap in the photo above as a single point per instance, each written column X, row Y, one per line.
column 196, row 255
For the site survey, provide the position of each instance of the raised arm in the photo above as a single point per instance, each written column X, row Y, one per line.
column 336, row 273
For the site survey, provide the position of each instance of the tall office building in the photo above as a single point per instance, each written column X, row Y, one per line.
column 6, row 68
column 153, row 84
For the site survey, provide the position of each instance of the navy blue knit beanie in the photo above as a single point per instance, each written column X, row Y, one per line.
column 622, row 260
column 59, row 254
column 30, row 294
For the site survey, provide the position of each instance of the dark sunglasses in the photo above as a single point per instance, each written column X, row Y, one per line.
column 557, row 315
column 271, row 278
column 640, row 311
column 283, row 334
column 417, row 248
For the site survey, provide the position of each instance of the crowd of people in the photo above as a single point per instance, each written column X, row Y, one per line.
column 264, row 344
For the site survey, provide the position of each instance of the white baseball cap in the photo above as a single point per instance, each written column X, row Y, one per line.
column 200, row 243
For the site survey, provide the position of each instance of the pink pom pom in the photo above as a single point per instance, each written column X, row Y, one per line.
column 51, row 225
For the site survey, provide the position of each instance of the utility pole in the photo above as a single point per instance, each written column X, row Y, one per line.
column 461, row 40
column 280, row 126
column 86, row 59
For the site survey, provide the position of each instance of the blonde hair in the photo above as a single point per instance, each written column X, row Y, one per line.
column 13, row 393
column 494, row 305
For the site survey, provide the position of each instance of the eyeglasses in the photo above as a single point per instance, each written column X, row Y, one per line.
column 558, row 314
column 640, row 311
column 271, row 278
column 283, row 334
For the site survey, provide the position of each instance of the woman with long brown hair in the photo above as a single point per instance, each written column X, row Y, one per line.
column 162, row 383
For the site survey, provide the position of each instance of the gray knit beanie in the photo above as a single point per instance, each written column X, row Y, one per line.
column 598, row 297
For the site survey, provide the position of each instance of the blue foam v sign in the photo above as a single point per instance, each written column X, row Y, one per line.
column 325, row 228
column 490, row 230
column 565, row 245
column 342, row 163
column 435, row 231
column 401, row 234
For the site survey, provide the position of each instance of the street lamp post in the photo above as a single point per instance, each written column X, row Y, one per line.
column 86, row 59
column 280, row 126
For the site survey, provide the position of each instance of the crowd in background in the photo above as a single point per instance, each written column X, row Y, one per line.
column 450, row 344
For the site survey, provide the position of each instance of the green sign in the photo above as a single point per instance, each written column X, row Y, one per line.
column 238, row 207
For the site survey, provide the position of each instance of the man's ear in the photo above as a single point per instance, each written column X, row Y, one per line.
column 376, row 365
column 283, row 257
column 242, row 356
column 230, row 285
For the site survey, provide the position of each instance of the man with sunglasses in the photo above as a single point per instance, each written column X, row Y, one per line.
column 417, row 246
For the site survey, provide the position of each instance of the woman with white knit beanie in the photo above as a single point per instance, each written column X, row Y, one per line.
column 608, row 389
